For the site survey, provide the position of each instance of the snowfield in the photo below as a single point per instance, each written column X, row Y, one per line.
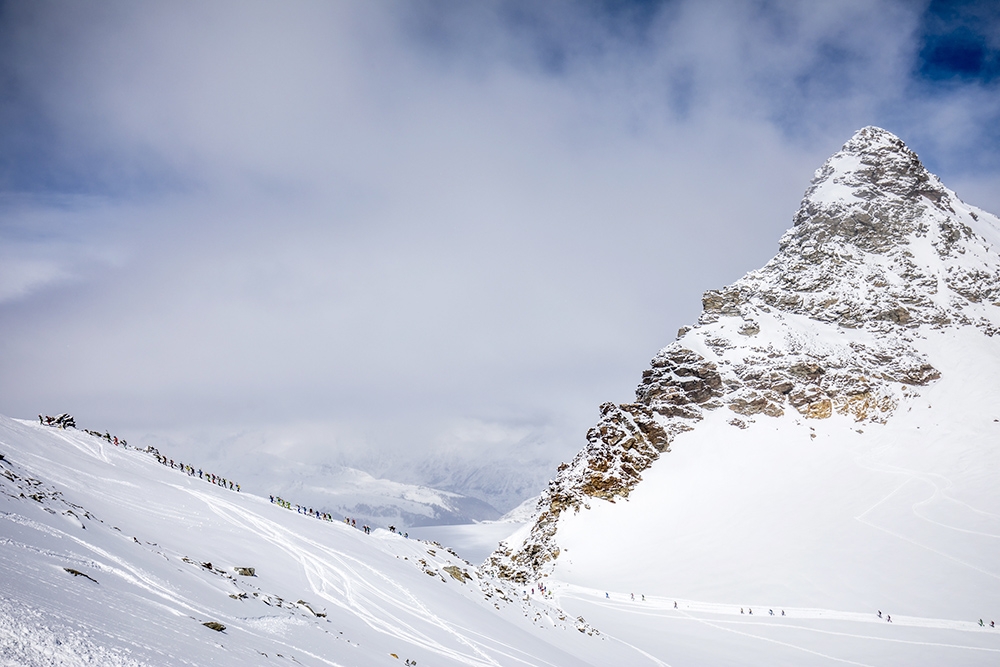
column 902, row 518
column 110, row 558
column 118, row 560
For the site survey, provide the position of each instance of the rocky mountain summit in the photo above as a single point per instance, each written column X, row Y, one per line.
column 880, row 255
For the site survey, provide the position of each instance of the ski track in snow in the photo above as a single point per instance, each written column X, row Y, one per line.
column 927, row 478
column 347, row 571
column 662, row 607
column 940, row 493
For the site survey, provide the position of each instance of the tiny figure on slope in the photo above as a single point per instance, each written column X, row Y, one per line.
column 675, row 604
column 771, row 612
column 880, row 613
column 741, row 610
column 607, row 597
column 782, row 612
column 981, row 624
column 888, row 617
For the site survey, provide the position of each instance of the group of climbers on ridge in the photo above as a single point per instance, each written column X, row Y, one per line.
column 326, row 516
column 218, row 480
column 65, row 420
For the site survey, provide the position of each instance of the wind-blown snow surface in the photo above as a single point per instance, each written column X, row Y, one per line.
column 109, row 558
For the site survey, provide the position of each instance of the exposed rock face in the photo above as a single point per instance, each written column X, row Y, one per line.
column 879, row 249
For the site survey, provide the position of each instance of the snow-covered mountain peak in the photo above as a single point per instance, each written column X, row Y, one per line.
column 878, row 242
column 874, row 164
column 881, row 257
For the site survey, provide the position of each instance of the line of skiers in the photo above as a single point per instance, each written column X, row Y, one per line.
column 308, row 511
column 325, row 516
column 67, row 421
column 769, row 611
column 191, row 472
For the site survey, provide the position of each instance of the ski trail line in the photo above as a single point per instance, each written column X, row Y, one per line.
column 776, row 641
column 284, row 539
column 600, row 601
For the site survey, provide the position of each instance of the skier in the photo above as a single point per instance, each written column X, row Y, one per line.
column 675, row 604
column 644, row 597
column 606, row 596
column 633, row 596
column 751, row 612
column 888, row 617
column 981, row 623
column 741, row 610
column 991, row 624
column 782, row 612
column 880, row 613
column 771, row 612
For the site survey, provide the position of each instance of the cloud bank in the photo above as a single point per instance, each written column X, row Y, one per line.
column 427, row 239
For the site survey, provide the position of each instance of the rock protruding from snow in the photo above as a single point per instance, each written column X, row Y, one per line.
column 879, row 249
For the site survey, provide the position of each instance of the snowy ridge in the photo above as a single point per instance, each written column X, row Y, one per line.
column 187, row 573
column 880, row 255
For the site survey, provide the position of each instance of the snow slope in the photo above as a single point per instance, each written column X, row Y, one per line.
column 109, row 558
column 825, row 441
